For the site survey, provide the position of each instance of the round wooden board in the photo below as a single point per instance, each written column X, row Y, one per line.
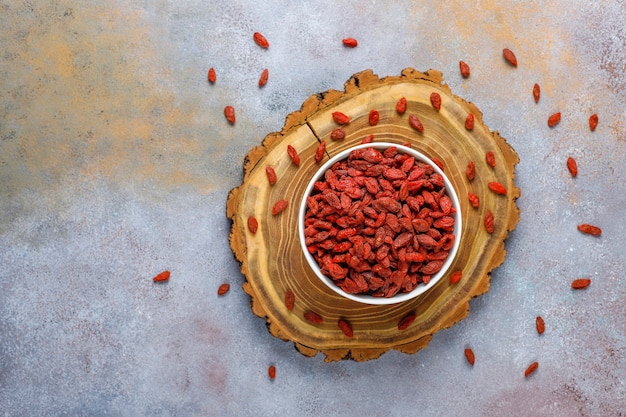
column 272, row 260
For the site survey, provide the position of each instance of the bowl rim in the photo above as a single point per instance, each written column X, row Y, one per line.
column 400, row 297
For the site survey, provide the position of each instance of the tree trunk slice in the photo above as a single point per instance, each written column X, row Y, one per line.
column 272, row 260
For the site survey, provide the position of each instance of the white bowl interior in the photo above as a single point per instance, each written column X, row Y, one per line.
column 400, row 297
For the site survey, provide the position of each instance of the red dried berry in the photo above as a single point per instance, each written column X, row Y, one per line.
column 290, row 299
column 229, row 113
column 401, row 106
column 279, row 206
column 271, row 174
column 313, row 317
column 455, row 277
column 271, row 371
column 345, row 327
column 163, row 276
column 260, row 40
column 490, row 157
column 470, row 171
column 509, row 56
column 489, row 222
column 473, row 199
column 340, row 118
column 338, row 134
column 465, row 69
column 211, row 76
column 540, row 324
column 581, row 283
column 293, row 154
column 319, row 153
column 554, row 119
column 536, row 92
column 593, row 122
column 435, row 100
column 572, row 166
column 223, row 289
column 415, row 123
column 497, row 188
column 406, row 321
column 469, row 355
column 469, row 121
column 263, row 77
column 253, row 224
column 531, row 368
column 374, row 117
column 589, row 229
column 350, row 42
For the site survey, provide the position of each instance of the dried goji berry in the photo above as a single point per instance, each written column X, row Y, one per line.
column 229, row 113
column 581, row 283
column 435, row 100
column 279, row 206
column 253, row 224
column 406, row 321
column 489, row 222
column 340, row 118
column 473, row 199
column 401, row 106
column 293, row 154
column 536, row 92
column 163, row 276
column 497, row 188
column 338, row 134
column 374, row 116
column 415, row 123
column 469, row 355
column 572, row 166
column 271, row 371
column 540, row 324
column 465, row 69
column 368, row 139
column 263, row 77
column 554, row 119
column 313, row 317
column 271, row 174
column 470, row 171
column 531, row 368
column 260, row 40
column 211, row 76
column 345, row 327
column 590, row 229
column 290, row 299
column 223, row 289
column 490, row 157
column 350, row 42
column 319, row 153
column 509, row 56
column 593, row 122
column 455, row 277
column 469, row 121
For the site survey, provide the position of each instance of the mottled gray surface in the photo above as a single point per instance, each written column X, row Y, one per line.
column 116, row 161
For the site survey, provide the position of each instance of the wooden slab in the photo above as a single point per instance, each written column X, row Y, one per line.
column 272, row 260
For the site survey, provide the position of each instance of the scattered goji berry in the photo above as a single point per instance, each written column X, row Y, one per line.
column 271, row 174
column 350, row 42
column 290, row 299
column 589, row 229
column 531, row 368
column 223, row 289
column 438, row 163
column 345, row 327
column 469, row 121
column 293, row 154
column 581, row 283
column 253, row 224
column 593, row 122
column 490, row 157
column 536, row 92
column 554, row 119
column 338, row 134
column 406, row 321
column 263, row 77
column 470, row 171
column 229, row 113
column 455, row 277
column 279, row 206
column 497, row 188
column 211, row 76
column 465, row 69
column 319, row 153
column 489, row 222
column 368, row 139
column 313, row 317
column 473, row 199
column 469, row 355
column 260, row 40
column 540, row 324
column 401, row 106
column 415, row 123
column 435, row 100
column 163, row 276
column 374, row 116
column 340, row 118
column 509, row 56
column 572, row 166
column 271, row 371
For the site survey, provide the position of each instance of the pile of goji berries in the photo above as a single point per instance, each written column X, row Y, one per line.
column 379, row 223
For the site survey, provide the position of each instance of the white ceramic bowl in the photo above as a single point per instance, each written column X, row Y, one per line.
column 400, row 296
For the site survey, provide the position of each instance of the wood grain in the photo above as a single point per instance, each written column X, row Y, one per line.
column 272, row 260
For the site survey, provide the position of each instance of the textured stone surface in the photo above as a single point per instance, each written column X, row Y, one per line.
column 115, row 164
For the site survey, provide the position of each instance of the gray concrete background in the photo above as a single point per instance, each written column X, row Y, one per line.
column 116, row 161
